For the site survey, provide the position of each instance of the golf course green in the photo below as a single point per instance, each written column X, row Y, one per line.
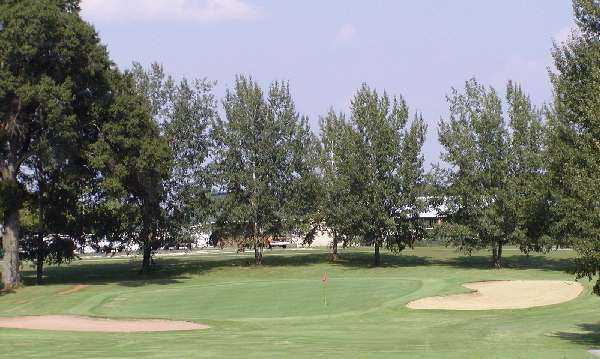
column 284, row 309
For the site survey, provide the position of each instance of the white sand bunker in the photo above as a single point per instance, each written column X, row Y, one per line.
column 508, row 294
column 87, row 324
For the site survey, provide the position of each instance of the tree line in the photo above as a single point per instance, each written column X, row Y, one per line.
column 91, row 153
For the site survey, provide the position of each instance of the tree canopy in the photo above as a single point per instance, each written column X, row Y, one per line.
column 491, row 187
column 134, row 162
column 53, row 80
column 373, row 168
column 184, row 112
column 264, row 166
column 575, row 144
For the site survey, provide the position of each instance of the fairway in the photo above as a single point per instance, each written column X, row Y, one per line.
column 279, row 310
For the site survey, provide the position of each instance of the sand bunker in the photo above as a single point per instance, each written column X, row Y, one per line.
column 510, row 294
column 86, row 324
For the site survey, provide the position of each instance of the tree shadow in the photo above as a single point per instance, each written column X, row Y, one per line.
column 512, row 262
column 171, row 270
column 4, row 292
column 110, row 272
column 126, row 272
column 359, row 260
column 589, row 337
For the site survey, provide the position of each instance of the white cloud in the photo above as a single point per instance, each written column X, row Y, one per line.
column 168, row 10
column 345, row 34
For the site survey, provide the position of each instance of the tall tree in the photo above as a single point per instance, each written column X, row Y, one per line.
column 134, row 161
column 526, row 178
column 262, row 165
column 52, row 78
column 55, row 184
column 183, row 111
column 492, row 182
column 575, row 144
column 338, row 209
column 379, row 171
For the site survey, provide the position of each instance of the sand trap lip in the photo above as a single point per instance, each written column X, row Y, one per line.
column 73, row 289
column 88, row 324
column 506, row 294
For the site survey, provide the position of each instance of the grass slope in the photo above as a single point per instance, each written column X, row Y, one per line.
column 277, row 310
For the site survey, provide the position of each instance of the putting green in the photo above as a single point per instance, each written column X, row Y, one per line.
column 277, row 298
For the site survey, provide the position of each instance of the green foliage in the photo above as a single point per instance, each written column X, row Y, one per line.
column 493, row 185
column 373, row 171
column 339, row 212
column 575, row 141
column 53, row 81
column 134, row 161
column 587, row 14
column 183, row 111
column 264, row 165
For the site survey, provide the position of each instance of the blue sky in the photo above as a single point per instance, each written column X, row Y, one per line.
column 326, row 49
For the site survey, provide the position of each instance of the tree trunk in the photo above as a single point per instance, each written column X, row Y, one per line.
column 10, row 244
column 377, row 256
column 39, row 271
column 258, row 256
column 333, row 256
column 39, row 261
column 497, row 255
column 499, row 259
column 147, row 235
column 41, row 248
column 11, row 277
column 147, row 261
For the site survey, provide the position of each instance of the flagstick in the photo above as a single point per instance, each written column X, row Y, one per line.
column 325, row 280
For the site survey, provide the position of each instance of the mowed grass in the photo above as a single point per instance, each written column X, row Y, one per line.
column 278, row 310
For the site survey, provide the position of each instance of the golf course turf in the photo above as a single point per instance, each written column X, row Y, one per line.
column 278, row 310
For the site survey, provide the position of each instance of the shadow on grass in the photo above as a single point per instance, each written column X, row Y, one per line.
column 513, row 262
column 589, row 336
column 126, row 272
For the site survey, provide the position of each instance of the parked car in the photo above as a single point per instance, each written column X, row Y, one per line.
column 282, row 244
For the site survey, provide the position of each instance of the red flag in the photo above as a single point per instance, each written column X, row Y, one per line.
column 325, row 279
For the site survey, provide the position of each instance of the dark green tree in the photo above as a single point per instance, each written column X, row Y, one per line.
column 575, row 141
column 135, row 162
column 492, row 186
column 53, row 220
column 52, row 83
column 264, row 166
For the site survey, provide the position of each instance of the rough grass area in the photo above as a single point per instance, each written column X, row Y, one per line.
column 278, row 310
